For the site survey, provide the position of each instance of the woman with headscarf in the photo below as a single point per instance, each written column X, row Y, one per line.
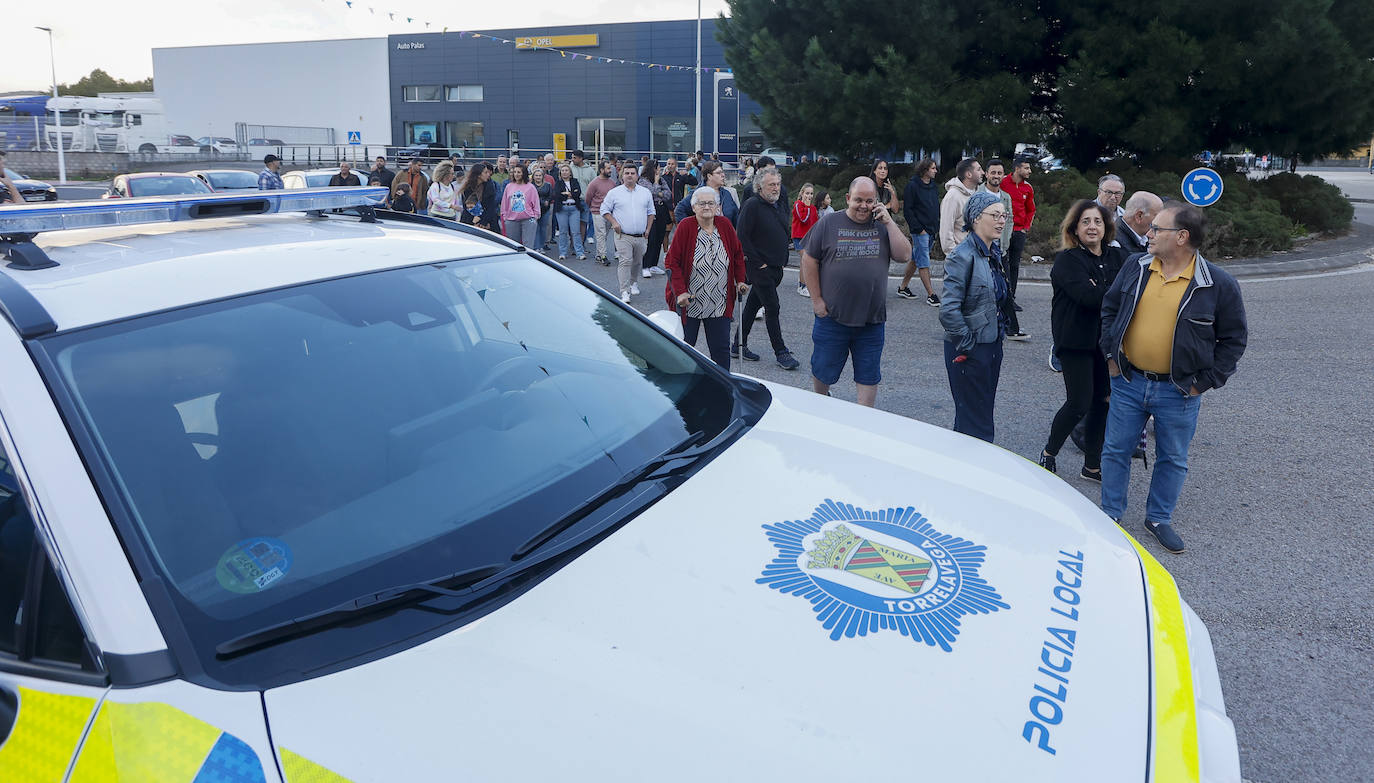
column 705, row 273
column 1083, row 270
column 973, row 312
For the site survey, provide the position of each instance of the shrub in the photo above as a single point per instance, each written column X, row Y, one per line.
column 1309, row 200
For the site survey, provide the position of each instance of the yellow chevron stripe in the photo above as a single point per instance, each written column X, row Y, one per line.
column 45, row 734
column 147, row 742
column 299, row 769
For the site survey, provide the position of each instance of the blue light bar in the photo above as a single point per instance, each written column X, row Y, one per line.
column 37, row 218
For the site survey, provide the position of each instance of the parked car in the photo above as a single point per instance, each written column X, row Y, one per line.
column 315, row 178
column 261, row 142
column 155, row 183
column 227, row 179
column 364, row 496
column 182, row 141
column 778, row 155
column 32, row 189
column 217, row 145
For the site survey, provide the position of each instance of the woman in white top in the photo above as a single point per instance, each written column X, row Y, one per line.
column 443, row 195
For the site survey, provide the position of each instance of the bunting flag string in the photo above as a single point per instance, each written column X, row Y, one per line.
column 562, row 53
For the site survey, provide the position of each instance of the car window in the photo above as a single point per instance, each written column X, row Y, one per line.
column 233, row 179
column 283, row 452
column 319, row 180
column 38, row 624
column 166, row 186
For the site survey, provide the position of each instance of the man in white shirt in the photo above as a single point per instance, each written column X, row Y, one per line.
column 629, row 211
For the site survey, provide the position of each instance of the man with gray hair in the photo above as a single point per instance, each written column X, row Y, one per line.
column 1110, row 191
column 1140, row 211
column 765, row 230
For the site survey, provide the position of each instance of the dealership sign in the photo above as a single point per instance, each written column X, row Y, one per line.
column 557, row 41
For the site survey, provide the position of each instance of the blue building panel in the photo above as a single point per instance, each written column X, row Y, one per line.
column 529, row 95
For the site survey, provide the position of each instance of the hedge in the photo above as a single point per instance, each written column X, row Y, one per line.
column 1253, row 217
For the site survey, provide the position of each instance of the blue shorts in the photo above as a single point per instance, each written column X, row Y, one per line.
column 833, row 344
column 920, row 250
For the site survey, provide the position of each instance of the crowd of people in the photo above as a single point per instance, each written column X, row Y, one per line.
column 1141, row 325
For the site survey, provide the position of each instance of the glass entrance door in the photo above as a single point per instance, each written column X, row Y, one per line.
column 600, row 135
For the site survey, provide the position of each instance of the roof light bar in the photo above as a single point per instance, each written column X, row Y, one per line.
column 37, row 218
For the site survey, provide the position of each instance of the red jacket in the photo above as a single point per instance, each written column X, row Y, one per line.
column 1022, row 203
column 803, row 218
column 683, row 249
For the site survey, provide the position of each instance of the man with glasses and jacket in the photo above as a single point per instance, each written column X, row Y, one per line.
column 1173, row 328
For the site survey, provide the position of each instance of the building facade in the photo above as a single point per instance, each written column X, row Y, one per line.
column 480, row 93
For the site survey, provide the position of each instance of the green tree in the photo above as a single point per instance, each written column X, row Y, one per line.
column 98, row 81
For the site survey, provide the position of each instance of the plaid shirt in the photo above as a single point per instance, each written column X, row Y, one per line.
column 269, row 180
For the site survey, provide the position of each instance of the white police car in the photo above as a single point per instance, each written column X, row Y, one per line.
column 291, row 494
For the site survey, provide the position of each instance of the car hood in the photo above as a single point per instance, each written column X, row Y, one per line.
column 31, row 184
column 764, row 622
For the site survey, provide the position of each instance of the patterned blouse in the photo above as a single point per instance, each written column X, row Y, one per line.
column 710, row 277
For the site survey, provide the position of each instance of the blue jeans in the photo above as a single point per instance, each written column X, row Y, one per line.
column 973, row 385
column 1175, row 422
column 545, row 231
column 833, row 344
column 920, row 250
column 567, row 218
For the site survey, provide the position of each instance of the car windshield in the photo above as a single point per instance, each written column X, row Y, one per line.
column 283, row 452
column 230, row 180
column 166, row 186
column 14, row 175
column 320, row 179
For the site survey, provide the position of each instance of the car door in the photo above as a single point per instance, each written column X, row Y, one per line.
column 70, row 711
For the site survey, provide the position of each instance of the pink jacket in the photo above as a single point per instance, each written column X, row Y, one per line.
column 520, row 202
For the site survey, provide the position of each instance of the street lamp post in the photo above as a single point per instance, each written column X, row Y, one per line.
column 61, row 156
column 699, row 145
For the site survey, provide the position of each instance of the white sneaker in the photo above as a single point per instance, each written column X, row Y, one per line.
column 761, row 313
column 657, row 270
column 801, row 290
column 634, row 289
column 625, row 297
column 646, row 273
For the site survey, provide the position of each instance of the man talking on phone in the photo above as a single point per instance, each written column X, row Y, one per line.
column 844, row 262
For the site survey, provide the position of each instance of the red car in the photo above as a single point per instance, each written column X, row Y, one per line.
column 155, row 183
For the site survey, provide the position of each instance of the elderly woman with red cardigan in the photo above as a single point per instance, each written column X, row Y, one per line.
column 705, row 271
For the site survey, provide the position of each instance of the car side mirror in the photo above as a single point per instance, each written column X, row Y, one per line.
column 668, row 321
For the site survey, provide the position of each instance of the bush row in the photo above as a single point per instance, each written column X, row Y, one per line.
column 1253, row 217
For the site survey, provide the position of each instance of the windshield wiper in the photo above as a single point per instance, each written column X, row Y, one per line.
column 686, row 450
column 471, row 578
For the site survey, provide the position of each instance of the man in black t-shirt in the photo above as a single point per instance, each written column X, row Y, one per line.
column 345, row 177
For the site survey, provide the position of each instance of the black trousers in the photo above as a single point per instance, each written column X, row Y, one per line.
column 662, row 220
column 1086, row 390
column 973, row 384
column 717, row 337
column 1018, row 245
column 763, row 292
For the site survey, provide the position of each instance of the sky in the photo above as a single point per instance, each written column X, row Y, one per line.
column 120, row 36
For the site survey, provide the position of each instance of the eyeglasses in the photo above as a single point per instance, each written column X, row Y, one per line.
column 996, row 216
column 1158, row 229
column 1111, row 192
column 705, row 204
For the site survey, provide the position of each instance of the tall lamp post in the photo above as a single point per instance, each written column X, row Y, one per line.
column 699, row 145
column 61, row 156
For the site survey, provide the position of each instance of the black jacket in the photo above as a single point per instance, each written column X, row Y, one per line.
column 1210, row 334
column 491, row 209
column 338, row 181
column 921, row 207
column 1126, row 238
column 384, row 174
column 1080, row 281
column 558, row 193
column 765, row 232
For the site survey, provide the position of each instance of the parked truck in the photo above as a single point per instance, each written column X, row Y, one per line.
column 112, row 124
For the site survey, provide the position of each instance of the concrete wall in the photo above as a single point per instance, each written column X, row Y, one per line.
column 337, row 84
column 80, row 165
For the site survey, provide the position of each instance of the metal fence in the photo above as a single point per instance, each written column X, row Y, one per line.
column 283, row 134
column 21, row 133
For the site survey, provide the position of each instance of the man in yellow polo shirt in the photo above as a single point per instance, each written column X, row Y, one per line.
column 1173, row 327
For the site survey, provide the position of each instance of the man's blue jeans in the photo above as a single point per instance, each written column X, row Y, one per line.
column 1175, row 422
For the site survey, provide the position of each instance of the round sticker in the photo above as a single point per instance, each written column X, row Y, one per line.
column 253, row 565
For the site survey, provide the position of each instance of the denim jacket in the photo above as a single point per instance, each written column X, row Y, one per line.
column 969, row 315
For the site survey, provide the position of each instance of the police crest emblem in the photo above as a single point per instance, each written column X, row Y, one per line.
column 866, row 571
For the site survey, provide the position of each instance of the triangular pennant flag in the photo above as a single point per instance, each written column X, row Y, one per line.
column 409, row 19
column 370, row 11
column 392, row 17
column 348, row 3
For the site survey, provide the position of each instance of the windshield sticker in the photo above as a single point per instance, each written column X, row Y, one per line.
column 866, row 571
column 253, row 565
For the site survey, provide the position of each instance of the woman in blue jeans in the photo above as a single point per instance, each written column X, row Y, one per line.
column 567, row 196
column 973, row 314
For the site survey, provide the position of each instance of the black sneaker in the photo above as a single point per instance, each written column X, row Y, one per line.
column 1047, row 462
column 746, row 354
column 905, row 293
column 787, row 361
column 1020, row 337
column 933, row 300
column 1091, row 475
column 1166, row 536
column 1018, row 307
column 734, row 346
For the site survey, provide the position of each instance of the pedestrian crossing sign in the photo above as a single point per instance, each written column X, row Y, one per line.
column 355, row 137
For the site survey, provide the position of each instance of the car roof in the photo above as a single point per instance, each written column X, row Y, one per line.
column 118, row 272
column 150, row 174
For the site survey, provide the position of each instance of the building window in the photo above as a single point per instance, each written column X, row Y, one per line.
column 422, row 132
column 465, row 93
column 671, row 135
column 421, row 93
column 601, row 134
column 465, row 136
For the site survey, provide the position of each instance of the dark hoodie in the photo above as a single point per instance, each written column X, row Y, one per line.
column 921, row 206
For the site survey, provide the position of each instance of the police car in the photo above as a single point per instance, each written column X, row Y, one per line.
column 295, row 489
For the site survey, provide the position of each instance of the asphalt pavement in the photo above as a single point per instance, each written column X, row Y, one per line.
column 1277, row 506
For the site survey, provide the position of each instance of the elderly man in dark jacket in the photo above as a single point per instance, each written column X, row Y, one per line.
column 1140, row 211
column 765, row 233
column 1173, row 328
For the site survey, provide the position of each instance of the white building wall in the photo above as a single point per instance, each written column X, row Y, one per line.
column 342, row 85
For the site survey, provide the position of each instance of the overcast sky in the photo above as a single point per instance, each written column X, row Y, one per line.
column 120, row 36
